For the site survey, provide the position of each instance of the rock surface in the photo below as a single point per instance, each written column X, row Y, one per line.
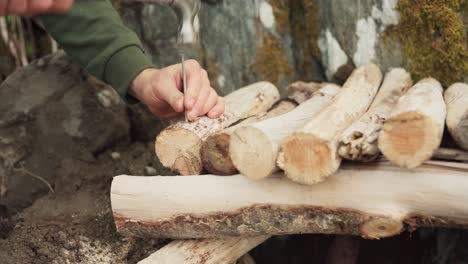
column 50, row 111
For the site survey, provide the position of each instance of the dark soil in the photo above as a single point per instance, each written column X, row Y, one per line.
column 74, row 224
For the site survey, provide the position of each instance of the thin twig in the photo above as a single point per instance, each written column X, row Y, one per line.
column 21, row 42
column 25, row 171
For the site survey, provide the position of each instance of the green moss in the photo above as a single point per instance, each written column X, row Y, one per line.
column 305, row 32
column 281, row 11
column 433, row 38
column 271, row 62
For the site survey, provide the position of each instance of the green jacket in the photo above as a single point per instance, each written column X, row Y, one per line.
column 93, row 35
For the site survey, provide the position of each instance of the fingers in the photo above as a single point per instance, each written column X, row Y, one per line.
column 194, row 83
column 33, row 7
column 60, row 5
column 169, row 93
column 210, row 102
column 18, row 7
column 202, row 98
column 36, row 7
column 3, row 7
column 218, row 109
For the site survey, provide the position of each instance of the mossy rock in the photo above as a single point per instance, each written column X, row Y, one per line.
column 433, row 38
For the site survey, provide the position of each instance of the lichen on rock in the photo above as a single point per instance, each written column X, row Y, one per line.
column 433, row 38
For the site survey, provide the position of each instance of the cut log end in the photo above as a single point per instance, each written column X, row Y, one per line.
column 307, row 159
column 215, row 155
column 247, row 144
column 409, row 139
column 183, row 157
column 380, row 227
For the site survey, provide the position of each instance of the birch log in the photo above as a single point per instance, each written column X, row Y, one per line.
column 310, row 155
column 456, row 99
column 414, row 129
column 178, row 146
column 215, row 149
column 359, row 141
column 370, row 200
column 206, row 251
column 254, row 148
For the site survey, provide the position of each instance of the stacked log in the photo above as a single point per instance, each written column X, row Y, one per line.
column 215, row 149
column 310, row 155
column 359, row 141
column 456, row 98
column 372, row 201
column 254, row 148
column 178, row 146
column 414, row 129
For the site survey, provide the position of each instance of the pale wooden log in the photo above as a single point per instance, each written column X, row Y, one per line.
column 310, row 155
column 302, row 91
column 206, row 251
column 456, row 99
column 215, row 149
column 254, row 148
column 178, row 146
column 414, row 129
column 359, row 141
column 369, row 200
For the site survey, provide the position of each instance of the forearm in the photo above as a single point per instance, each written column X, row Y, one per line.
column 92, row 33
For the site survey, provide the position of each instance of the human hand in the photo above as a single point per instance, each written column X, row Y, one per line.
column 33, row 7
column 160, row 90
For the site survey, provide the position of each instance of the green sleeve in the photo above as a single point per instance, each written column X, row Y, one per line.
column 93, row 35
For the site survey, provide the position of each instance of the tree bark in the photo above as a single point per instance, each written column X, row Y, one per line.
column 206, row 251
column 254, row 148
column 414, row 129
column 302, row 91
column 456, row 99
column 215, row 149
column 359, row 141
column 178, row 146
column 310, row 155
column 370, row 200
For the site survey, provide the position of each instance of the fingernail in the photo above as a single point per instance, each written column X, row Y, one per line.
column 190, row 103
column 193, row 114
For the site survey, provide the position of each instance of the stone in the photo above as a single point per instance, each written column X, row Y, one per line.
column 49, row 112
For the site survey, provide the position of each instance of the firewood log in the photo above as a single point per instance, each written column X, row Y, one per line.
column 215, row 149
column 302, row 91
column 369, row 200
column 254, row 148
column 310, row 155
column 178, row 146
column 206, row 251
column 359, row 141
column 414, row 129
column 456, row 98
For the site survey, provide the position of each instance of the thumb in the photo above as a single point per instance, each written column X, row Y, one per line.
column 169, row 93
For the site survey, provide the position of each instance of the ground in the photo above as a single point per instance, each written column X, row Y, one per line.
column 74, row 224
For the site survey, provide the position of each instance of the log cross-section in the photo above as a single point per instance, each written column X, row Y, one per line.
column 310, row 155
column 254, row 148
column 414, row 129
column 215, row 148
column 373, row 200
column 178, row 146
